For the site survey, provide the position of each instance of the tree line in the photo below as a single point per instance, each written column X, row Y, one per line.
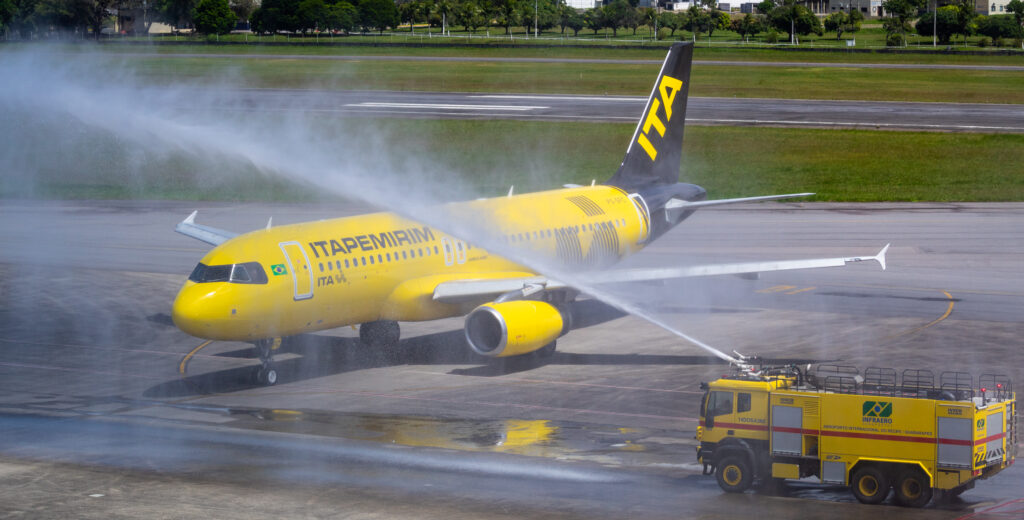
column 774, row 18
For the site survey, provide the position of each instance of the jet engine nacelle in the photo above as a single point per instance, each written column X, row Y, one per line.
column 514, row 328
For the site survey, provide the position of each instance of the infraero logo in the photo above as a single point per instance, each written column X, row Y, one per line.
column 877, row 412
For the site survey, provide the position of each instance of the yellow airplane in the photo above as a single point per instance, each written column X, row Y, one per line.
column 379, row 269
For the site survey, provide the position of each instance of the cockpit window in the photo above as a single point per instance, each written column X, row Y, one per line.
column 249, row 272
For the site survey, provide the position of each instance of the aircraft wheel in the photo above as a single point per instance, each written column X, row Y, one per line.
column 912, row 488
column 377, row 334
column 266, row 376
column 734, row 474
column 869, row 485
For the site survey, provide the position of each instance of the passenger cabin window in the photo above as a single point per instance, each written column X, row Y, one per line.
column 247, row 273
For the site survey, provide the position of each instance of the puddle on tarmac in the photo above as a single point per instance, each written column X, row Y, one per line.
column 538, row 438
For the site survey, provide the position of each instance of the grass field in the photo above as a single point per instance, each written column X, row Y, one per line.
column 871, row 36
column 856, row 83
column 547, row 48
column 839, row 165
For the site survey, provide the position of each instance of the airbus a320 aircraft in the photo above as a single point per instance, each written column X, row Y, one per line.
column 378, row 269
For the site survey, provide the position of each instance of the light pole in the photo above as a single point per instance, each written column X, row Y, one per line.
column 935, row 25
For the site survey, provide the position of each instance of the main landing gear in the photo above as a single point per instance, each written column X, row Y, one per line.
column 266, row 374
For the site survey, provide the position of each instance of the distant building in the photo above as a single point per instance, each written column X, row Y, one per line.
column 864, row 6
column 677, row 6
column 748, row 7
column 724, row 7
column 989, row 7
column 580, row 4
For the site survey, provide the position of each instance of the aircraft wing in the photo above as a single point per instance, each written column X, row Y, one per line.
column 678, row 204
column 210, row 235
column 461, row 291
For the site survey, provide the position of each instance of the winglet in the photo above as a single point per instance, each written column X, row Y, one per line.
column 210, row 235
column 270, row 222
column 881, row 255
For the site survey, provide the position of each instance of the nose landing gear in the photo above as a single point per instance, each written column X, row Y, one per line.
column 266, row 374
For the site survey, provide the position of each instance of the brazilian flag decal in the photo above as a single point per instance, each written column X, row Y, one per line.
column 877, row 409
column 278, row 269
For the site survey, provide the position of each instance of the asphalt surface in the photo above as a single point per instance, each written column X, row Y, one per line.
column 953, row 117
column 106, row 410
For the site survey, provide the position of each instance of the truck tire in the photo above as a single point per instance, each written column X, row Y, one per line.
column 734, row 474
column 870, row 485
column 913, row 489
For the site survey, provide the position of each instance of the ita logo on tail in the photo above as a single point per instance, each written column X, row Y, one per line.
column 667, row 90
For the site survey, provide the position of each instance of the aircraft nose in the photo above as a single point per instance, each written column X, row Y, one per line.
column 189, row 312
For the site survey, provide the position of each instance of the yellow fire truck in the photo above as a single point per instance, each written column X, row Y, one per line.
column 872, row 431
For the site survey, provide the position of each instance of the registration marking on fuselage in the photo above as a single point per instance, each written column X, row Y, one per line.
column 446, row 106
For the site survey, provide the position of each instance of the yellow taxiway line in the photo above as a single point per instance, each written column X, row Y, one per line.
column 184, row 361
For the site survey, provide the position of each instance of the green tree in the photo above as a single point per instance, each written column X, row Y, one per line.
column 507, row 12
column 443, row 9
column 472, row 15
column 594, row 19
column 342, row 16
column 794, row 19
column 276, row 15
column 575, row 22
column 747, row 26
column 242, row 8
column 176, row 13
column 412, row 13
column 215, row 17
column 944, row 22
column 999, row 26
column 697, row 20
column 841, row 22
column 673, row 21
column 616, row 15
column 377, row 14
column 1017, row 8
column 312, row 15
column 900, row 13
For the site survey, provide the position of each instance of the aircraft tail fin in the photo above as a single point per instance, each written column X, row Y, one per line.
column 656, row 149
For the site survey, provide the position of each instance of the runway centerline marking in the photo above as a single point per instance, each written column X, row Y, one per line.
column 564, row 98
column 446, row 106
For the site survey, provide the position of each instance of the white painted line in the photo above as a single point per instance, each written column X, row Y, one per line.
column 442, row 106
column 566, row 98
column 850, row 124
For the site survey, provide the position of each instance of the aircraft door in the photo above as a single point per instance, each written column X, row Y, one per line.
column 448, row 250
column 460, row 252
column 302, row 273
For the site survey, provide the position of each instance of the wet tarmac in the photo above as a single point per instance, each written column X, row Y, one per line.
column 107, row 411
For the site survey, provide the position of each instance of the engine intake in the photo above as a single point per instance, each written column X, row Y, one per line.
column 514, row 328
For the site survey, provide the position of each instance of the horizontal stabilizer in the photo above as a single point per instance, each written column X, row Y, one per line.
column 687, row 205
column 210, row 235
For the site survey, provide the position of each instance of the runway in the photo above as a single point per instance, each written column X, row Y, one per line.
column 107, row 410
column 947, row 117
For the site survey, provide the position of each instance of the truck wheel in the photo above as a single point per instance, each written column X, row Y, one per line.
column 869, row 485
column 734, row 474
column 913, row 488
